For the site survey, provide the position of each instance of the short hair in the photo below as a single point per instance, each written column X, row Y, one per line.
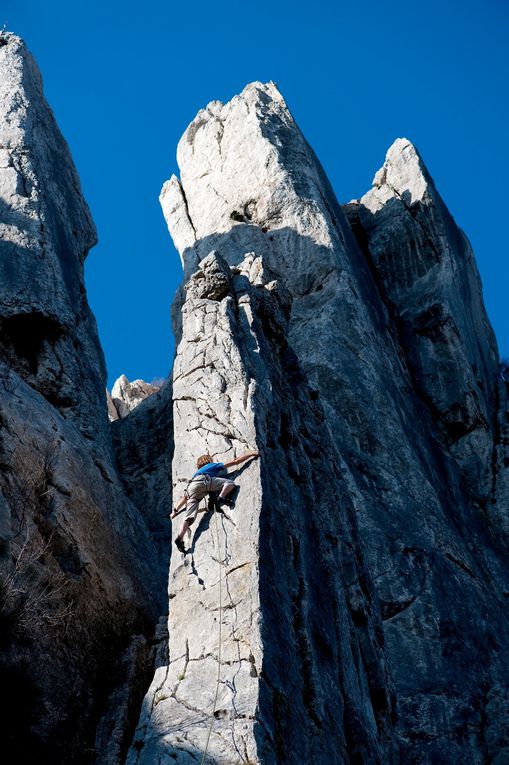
column 205, row 459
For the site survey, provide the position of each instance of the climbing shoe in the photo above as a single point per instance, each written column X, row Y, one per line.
column 225, row 502
column 179, row 543
column 213, row 498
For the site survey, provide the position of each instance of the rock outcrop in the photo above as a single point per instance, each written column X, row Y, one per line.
column 80, row 576
column 256, row 573
column 143, row 446
column 364, row 567
column 47, row 332
column 126, row 396
column 428, row 279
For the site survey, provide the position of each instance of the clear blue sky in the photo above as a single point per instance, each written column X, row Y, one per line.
column 125, row 79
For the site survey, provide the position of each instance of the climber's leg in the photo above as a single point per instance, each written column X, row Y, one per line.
column 185, row 527
column 192, row 506
column 179, row 541
column 224, row 486
column 227, row 489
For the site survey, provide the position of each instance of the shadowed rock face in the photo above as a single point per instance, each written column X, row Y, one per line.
column 428, row 278
column 365, row 615
column 80, row 576
column 286, row 642
column 143, row 445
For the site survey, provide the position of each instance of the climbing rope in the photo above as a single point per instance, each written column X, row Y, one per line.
column 218, row 681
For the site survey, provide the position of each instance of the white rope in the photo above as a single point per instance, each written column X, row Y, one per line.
column 218, row 681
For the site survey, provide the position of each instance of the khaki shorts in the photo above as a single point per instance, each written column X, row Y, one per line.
column 198, row 489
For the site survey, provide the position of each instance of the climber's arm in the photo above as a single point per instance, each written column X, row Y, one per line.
column 180, row 504
column 239, row 460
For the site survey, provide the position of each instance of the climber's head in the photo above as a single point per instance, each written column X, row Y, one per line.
column 205, row 459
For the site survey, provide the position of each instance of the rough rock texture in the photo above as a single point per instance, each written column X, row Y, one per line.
column 143, row 444
column 362, row 366
column 80, row 576
column 126, row 396
column 237, row 385
column 499, row 505
column 47, row 332
column 427, row 275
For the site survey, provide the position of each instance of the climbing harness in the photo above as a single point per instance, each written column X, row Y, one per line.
column 204, row 478
column 218, row 681
column 200, row 479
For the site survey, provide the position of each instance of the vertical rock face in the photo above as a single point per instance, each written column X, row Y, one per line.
column 47, row 331
column 143, row 446
column 499, row 506
column 428, row 278
column 248, row 612
column 80, row 577
column 360, row 555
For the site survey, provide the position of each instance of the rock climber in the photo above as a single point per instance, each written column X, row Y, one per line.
column 205, row 480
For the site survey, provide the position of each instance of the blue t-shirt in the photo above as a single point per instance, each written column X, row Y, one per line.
column 213, row 469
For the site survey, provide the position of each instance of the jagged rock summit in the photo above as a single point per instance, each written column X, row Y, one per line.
column 126, row 396
column 429, row 281
column 48, row 331
column 403, row 173
column 365, row 561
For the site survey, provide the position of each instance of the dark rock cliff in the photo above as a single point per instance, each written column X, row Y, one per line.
column 81, row 581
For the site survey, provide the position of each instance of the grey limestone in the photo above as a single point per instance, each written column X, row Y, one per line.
column 126, row 396
column 391, row 514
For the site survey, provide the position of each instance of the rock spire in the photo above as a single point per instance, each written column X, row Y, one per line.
column 364, row 558
column 80, row 575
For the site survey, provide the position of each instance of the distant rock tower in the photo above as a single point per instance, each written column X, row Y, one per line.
column 126, row 396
